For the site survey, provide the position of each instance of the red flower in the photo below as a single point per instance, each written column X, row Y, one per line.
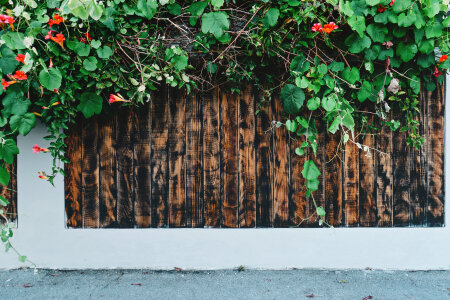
column 392, row 2
column 20, row 75
column 7, row 83
column 443, row 58
column 37, row 149
column 436, row 72
column 381, row 8
column 5, row 19
column 49, row 34
column 42, row 175
column 20, row 58
column 56, row 91
column 50, row 65
column 54, row 104
column 59, row 39
column 88, row 36
column 316, row 27
column 83, row 40
column 327, row 28
column 115, row 98
column 57, row 19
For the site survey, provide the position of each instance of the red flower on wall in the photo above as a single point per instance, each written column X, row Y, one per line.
column 316, row 27
column 381, row 8
column 37, row 149
column 436, row 72
column 57, row 19
column 20, row 58
column 88, row 36
column 5, row 83
column 42, row 175
column 328, row 28
column 5, row 19
column 59, row 38
column 20, row 75
column 115, row 98
column 443, row 58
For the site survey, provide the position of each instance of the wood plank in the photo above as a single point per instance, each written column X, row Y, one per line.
column 418, row 170
column 108, row 171
column 401, row 179
column 247, row 163
column 367, row 177
column 90, row 174
column 142, row 165
column 159, row 160
column 177, row 154
column 211, row 158
column 281, row 163
column 319, row 160
column 230, row 160
column 333, row 179
column 125, row 185
column 435, row 207
column 194, row 162
column 350, row 184
column 384, row 177
column 12, row 207
column 72, row 178
column 298, row 203
column 264, row 167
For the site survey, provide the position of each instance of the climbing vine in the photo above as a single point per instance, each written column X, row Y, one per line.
column 326, row 59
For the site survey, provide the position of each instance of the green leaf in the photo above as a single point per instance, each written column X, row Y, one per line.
column 79, row 8
column 426, row 46
column 406, row 20
column 377, row 32
column 79, row 48
column 299, row 64
column 197, row 8
column 95, row 10
column 179, row 62
column 90, row 104
column 3, row 201
column 291, row 125
column 323, row 69
column 348, row 121
column 433, row 30
column 90, row 63
column 329, row 103
column 104, row 52
column 336, row 66
column 23, row 123
column 271, row 17
column 215, row 23
column 293, row 98
column 335, row 125
column 174, row 9
column 7, row 150
column 4, row 176
column 313, row 184
column 313, row 103
column 50, row 79
column 14, row 40
column 22, row 258
column 365, row 91
column 351, row 76
column 211, row 67
column 320, row 211
column 357, row 44
column 146, row 8
column 406, row 51
column 401, row 5
column 8, row 63
column 217, row 3
column 310, row 170
column 358, row 23
column 415, row 84
column 299, row 151
column 96, row 44
column 425, row 61
column 433, row 8
column 15, row 103
column 373, row 2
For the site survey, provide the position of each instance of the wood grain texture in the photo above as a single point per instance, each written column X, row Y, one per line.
column 160, row 160
column 281, row 164
column 435, row 135
column 90, row 175
column 333, row 180
column 351, row 184
column 298, row 203
column 247, row 163
column 384, row 178
column 177, row 155
column 367, row 176
column 230, row 160
column 72, row 178
column 194, row 162
column 264, row 167
column 400, row 160
column 319, row 160
column 142, row 165
column 12, row 207
column 211, row 158
column 108, row 171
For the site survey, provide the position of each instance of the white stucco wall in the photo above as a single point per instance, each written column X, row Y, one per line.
column 42, row 236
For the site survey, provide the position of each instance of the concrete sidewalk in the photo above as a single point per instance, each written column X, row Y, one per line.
column 226, row 284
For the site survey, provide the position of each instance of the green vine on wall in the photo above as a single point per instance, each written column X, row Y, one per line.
column 327, row 59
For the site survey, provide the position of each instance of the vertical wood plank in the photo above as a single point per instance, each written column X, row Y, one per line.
column 125, row 185
column 72, row 178
column 264, row 167
column 211, row 158
column 367, row 177
column 247, row 164
column 230, row 160
column 194, row 162
column 142, row 165
column 319, row 160
column 12, row 207
column 177, row 153
column 159, row 160
column 435, row 207
column 298, row 203
column 90, row 174
column 384, row 178
column 281, row 163
column 333, row 179
column 350, row 184
column 401, row 179
column 108, row 184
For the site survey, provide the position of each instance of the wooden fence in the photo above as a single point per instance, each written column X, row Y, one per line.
column 210, row 161
column 10, row 193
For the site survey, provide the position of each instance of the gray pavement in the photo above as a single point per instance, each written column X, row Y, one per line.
column 225, row 284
